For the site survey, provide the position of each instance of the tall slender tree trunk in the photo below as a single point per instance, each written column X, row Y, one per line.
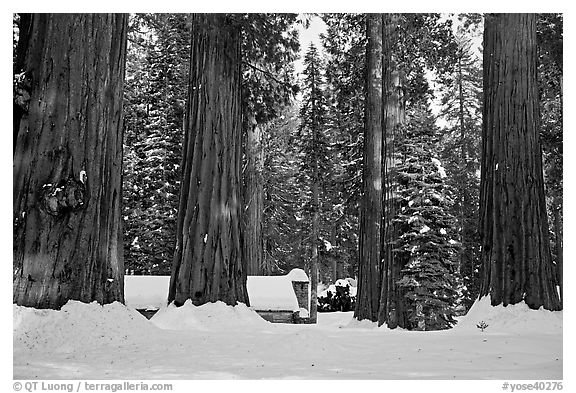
column 254, row 200
column 315, row 236
column 463, row 200
column 314, row 263
column 557, row 208
column 208, row 264
column 516, row 259
column 392, row 308
column 68, row 161
column 371, row 200
column 335, row 261
column 558, row 219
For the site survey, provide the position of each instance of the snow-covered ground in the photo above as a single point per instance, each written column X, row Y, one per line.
column 215, row 341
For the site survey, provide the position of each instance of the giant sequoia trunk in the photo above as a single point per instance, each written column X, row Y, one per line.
column 208, row 263
column 392, row 310
column 371, row 202
column 516, row 260
column 254, row 201
column 68, row 160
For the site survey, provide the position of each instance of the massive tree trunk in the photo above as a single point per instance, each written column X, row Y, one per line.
column 208, row 264
column 68, row 161
column 516, row 260
column 371, row 201
column 392, row 310
column 22, row 86
column 254, row 200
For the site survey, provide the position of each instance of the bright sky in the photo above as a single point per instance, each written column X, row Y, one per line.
column 307, row 36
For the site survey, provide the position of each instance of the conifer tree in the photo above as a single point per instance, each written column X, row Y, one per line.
column 426, row 226
column 345, row 56
column 208, row 260
column 155, row 96
column 269, row 47
column 549, row 35
column 67, row 191
column 371, row 218
column 516, row 259
column 461, row 108
column 283, row 195
column 316, row 154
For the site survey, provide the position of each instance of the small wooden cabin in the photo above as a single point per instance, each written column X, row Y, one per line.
column 280, row 299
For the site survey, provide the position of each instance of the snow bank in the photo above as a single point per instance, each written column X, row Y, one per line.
column 271, row 293
column 146, row 291
column 78, row 326
column 516, row 318
column 363, row 324
column 209, row 316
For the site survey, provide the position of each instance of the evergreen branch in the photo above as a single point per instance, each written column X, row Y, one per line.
column 289, row 86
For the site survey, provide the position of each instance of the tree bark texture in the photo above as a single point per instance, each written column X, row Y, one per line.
column 254, row 201
column 208, row 264
column 392, row 310
column 516, row 259
column 462, row 191
column 314, row 261
column 371, row 201
column 557, row 208
column 68, row 161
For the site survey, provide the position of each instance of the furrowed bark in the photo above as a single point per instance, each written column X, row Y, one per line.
column 254, row 201
column 371, row 201
column 392, row 310
column 208, row 264
column 516, row 259
column 68, row 161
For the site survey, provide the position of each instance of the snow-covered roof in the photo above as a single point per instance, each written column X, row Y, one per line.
column 271, row 293
column 146, row 291
column 297, row 275
column 264, row 292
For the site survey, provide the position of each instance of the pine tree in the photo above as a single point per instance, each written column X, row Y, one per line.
column 155, row 96
column 461, row 108
column 412, row 42
column 550, row 68
column 269, row 47
column 316, row 154
column 284, row 194
column 426, row 226
column 345, row 85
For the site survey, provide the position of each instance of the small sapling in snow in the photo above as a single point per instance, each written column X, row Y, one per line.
column 482, row 325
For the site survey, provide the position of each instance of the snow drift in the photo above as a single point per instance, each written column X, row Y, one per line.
column 78, row 326
column 216, row 341
column 209, row 316
column 517, row 318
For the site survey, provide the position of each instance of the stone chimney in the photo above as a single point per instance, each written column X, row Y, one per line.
column 300, row 284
